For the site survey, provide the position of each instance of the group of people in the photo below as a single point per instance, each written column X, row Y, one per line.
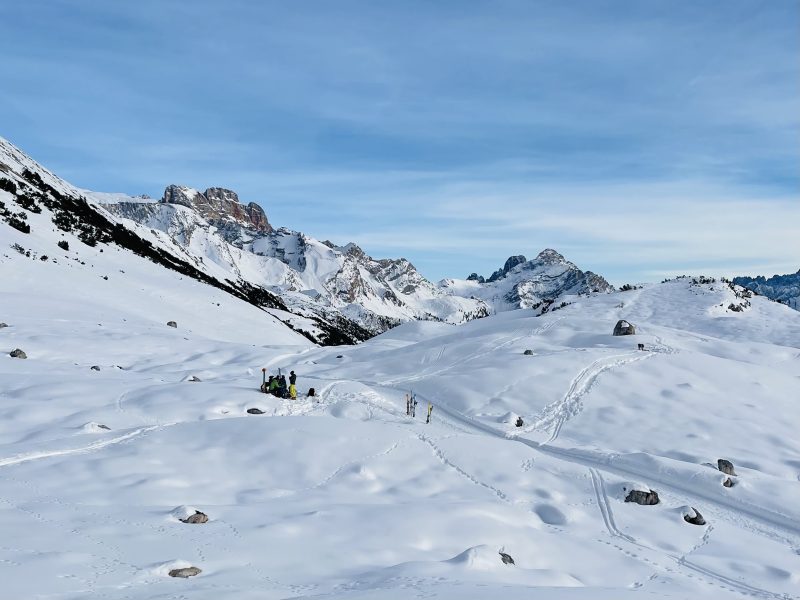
column 411, row 407
column 276, row 385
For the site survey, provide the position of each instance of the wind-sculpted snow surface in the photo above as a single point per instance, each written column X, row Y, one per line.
column 343, row 496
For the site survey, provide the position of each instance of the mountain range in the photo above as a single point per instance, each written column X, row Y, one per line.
column 331, row 293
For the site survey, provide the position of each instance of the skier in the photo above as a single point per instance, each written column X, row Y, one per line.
column 292, row 391
column 292, row 378
column 519, row 422
column 282, row 386
column 430, row 410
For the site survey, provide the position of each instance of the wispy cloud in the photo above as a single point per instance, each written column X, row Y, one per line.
column 635, row 137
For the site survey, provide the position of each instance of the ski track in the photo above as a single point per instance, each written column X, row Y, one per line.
column 556, row 414
column 22, row 458
column 641, row 552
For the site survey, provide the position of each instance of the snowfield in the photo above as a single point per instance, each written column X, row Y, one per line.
column 344, row 496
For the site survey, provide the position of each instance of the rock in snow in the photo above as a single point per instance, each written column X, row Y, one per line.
column 171, row 324
column 624, row 328
column 693, row 516
column 3, row 325
column 17, row 354
column 185, row 572
column 506, row 558
column 255, row 411
column 197, row 518
column 648, row 498
column 726, row 466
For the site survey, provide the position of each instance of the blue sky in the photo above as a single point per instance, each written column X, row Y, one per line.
column 640, row 139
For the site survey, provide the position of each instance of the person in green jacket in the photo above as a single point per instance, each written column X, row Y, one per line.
column 273, row 386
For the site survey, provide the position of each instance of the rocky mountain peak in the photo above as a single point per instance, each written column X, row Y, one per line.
column 219, row 206
column 550, row 256
column 511, row 262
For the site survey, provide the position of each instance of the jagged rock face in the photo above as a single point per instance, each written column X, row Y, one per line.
column 783, row 288
column 340, row 284
column 220, row 207
column 510, row 263
column 532, row 284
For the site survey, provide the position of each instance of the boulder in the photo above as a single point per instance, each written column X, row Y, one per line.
column 648, row 498
column 17, row 354
column 101, row 426
column 3, row 325
column 196, row 518
column 95, row 368
column 185, row 572
column 528, row 353
column 194, row 379
column 255, row 411
column 171, row 324
column 506, row 558
column 728, row 483
column 726, row 467
column 693, row 516
column 623, row 327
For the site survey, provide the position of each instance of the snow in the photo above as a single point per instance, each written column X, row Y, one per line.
column 343, row 496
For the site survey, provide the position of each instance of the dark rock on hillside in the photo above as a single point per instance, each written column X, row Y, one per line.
column 726, row 467
column 17, row 354
column 694, row 517
column 644, row 498
column 506, row 558
column 624, row 328
column 171, row 324
column 255, row 411
column 196, row 519
column 95, row 368
column 185, row 572
column 3, row 325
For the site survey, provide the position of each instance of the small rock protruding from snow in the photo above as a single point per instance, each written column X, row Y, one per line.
column 693, row 516
column 623, row 327
column 185, row 572
column 195, row 519
column 506, row 558
column 255, row 411
column 17, row 353
column 726, row 467
column 528, row 353
column 728, row 483
column 95, row 368
column 193, row 379
column 172, row 324
column 92, row 427
column 3, row 325
column 645, row 498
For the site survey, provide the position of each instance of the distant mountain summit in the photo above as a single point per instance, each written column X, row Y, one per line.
column 783, row 288
column 534, row 284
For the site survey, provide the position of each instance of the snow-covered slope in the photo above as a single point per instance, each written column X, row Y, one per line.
column 536, row 284
column 221, row 235
column 39, row 211
column 783, row 288
column 343, row 496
